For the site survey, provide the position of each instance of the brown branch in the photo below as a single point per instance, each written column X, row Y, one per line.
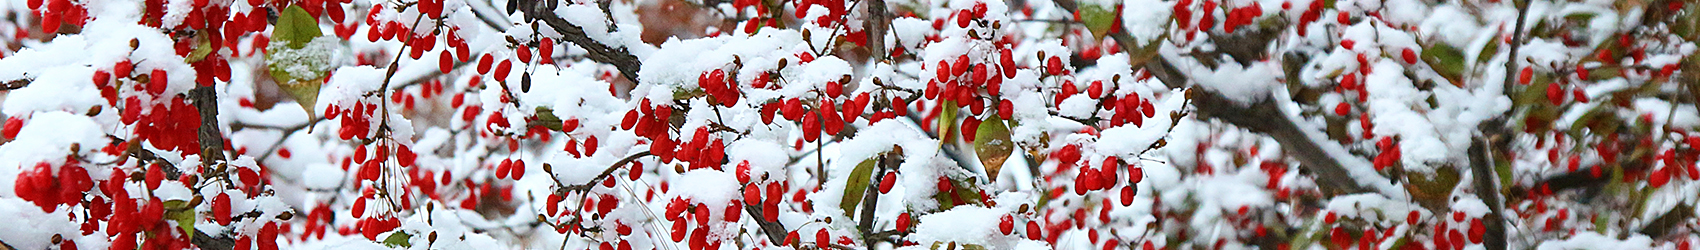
column 1482, row 165
column 605, row 172
column 1262, row 117
column 212, row 140
column 1481, row 152
column 875, row 27
column 1663, row 225
column 871, row 196
column 208, row 242
column 212, row 152
column 775, row 232
column 619, row 57
column 15, row 84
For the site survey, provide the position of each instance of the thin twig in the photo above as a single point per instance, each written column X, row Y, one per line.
column 605, row 172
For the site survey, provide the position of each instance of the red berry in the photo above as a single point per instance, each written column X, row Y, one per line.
column 1005, row 109
column 13, row 125
column 1033, row 232
column 502, row 168
column 221, row 209
column 523, row 53
column 821, row 239
column 1127, row 195
column 1476, row 231
column 154, row 177
column 1410, row 56
column 1006, row 224
column 502, row 70
column 752, row 193
column 903, row 221
column 122, row 69
column 1054, row 66
column 157, row 81
column 962, row 19
column 484, row 63
column 887, row 182
column 445, row 62
column 518, row 170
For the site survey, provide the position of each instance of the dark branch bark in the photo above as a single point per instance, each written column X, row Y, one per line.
column 1664, row 224
column 1485, row 181
column 774, row 231
column 208, row 242
column 15, row 84
column 1266, row 118
column 212, row 140
column 871, row 196
column 875, row 26
column 619, row 57
column 212, row 152
column 605, row 172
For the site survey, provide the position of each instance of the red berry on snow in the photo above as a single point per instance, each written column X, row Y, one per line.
column 1006, row 224
column 887, row 182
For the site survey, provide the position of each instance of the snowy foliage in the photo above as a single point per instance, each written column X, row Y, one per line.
column 849, row 124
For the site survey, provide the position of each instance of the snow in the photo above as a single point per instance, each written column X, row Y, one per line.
column 1593, row 240
column 1146, row 22
column 1208, row 168
column 41, row 225
column 1128, row 141
column 963, row 225
column 325, row 176
column 46, row 137
column 1245, row 85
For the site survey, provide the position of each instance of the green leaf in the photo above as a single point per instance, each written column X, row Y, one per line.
column 856, row 185
column 946, row 119
column 1488, row 49
column 297, row 69
column 992, row 144
column 296, row 27
column 547, row 116
column 1447, row 60
column 305, row 93
column 1097, row 19
column 965, row 192
column 203, row 47
column 398, row 239
column 176, row 204
column 1435, row 187
column 185, row 220
column 1308, row 234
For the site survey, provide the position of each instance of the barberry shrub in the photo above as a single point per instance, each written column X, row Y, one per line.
column 859, row 124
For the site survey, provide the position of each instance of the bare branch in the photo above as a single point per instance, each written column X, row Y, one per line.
column 605, row 172
column 212, row 141
column 619, row 57
column 1486, row 182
